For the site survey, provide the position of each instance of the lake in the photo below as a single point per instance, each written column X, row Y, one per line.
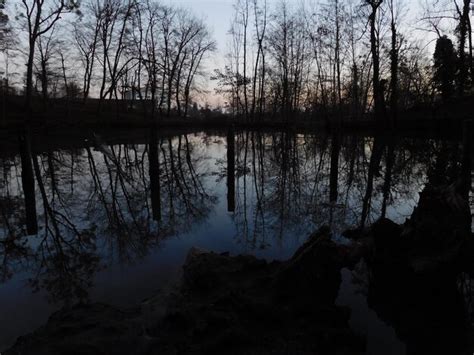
column 111, row 217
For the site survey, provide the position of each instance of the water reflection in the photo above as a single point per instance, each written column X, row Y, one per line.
column 68, row 214
column 288, row 181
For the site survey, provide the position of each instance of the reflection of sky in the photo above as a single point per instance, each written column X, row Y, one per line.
column 219, row 231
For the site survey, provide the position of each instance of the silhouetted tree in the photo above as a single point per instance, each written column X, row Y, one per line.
column 379, row 105
column 40, row 17
column 463, row 31
column 86, row 38
column 394, row 61
column 445, row 67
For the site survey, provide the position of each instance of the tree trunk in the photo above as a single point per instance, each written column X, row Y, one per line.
column 374, row 47
column 29, row 80
column 394, row 74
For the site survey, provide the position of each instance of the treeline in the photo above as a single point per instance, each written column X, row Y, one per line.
column 345, row 59
column 331, row 59
column 131, row 50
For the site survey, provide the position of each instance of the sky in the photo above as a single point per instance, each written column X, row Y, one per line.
column 218, row 15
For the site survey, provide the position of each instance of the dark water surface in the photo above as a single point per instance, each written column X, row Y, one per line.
column 116, row 218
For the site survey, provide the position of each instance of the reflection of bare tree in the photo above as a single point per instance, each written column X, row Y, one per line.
column 154, row 169
column 120, row 201
column 335, row 149
column 388, row 176
column 147, row 193
column 374, row 165
column 301, row 181
column 66, row 257
column 230, row 170
column 14, row 252
column 61, row 258
column 273, row 199
column 28, row 183
column 109, row 203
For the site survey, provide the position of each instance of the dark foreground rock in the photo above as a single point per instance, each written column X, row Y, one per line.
column 436, row 238
column 224, row 305
column 419, row 272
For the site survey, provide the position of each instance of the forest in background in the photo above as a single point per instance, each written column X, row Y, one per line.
column 331, row 61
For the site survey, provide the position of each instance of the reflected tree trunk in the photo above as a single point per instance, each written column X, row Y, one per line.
column 334, row 175
column 377, row 151
column 466, row 159
column 231, row 170
column 352, row 163
column 49, row 213
column 154, row 170
column 28, row 182
column 52, row 174
column 388, row 177
column 335, row 150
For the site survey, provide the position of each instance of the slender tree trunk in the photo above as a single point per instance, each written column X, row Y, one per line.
column 470, row 53
column 338, row 64
column 393, row 71
column 245, row 17
column 29, row 80
column 44, row 83
column 66, row 85
column 374, row 47
column 463, row 28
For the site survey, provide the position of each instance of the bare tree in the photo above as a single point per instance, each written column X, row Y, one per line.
column 379, row 105
column 40, row 18
column 86, row 36
column 289, row 50
column 260, row 18
column 464, row 36
column 46, row 45
column 396, row 43
column 199, row 47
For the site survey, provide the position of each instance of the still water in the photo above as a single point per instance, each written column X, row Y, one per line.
column 109, row 219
